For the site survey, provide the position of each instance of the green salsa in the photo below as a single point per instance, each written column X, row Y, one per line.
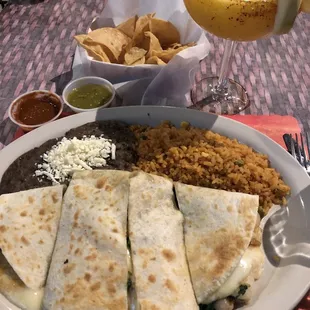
column 89, row 96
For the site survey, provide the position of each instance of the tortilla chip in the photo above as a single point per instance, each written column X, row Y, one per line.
column 112, row 40
column 150, row 43
column 154, row 60
column 93, row 49
column 167, row 55
column 139, row 62
column 165, row 31
column 134, row 54
column 138, row 40
column 128, row 27
column 175, row 45
column 142, row 25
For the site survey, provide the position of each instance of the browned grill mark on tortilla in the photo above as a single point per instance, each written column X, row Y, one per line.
column 77, row 251
column 41, row 211
column 95, row 286
column 168, row 255
column 146, row 304
column 79, row 193
column 50, row 217
column 111, row 267
column 111, row 287
column 170, row 285
column 224, row 250
column 87, row 276
column 152, row 278
column 76, row 215
column 24, row 240
column 68, row 268
column 108, row 188
column 91, row 257
column 101, row 182
column 55, row 197
column 30, row 199
column 23, row 213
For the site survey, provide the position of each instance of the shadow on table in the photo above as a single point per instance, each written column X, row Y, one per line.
column 23, row 2
column 7, row 131
column 286, row 236
column 61, row 81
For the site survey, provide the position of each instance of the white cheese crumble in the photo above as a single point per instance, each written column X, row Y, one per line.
column 70, row 155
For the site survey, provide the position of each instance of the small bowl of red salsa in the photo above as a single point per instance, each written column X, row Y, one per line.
column 34, row 109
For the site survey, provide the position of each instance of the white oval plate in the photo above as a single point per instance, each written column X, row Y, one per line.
column 287, row 232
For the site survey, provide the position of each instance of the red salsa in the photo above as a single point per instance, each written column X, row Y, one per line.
column 36, row 108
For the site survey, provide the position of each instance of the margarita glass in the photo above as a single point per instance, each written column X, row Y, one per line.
column 238, row 20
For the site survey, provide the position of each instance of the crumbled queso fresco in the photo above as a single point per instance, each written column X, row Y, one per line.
column 70, row 155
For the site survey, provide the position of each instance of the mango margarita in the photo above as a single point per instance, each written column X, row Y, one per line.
column 239, row 20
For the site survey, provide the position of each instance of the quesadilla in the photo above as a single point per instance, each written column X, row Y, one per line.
column 28, row 227
column 12, row 287
column 89, row 265
column 218, row 229
column 160, row 272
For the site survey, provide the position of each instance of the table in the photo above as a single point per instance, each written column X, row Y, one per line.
column 36, row 53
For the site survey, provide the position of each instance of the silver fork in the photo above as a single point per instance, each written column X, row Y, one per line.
column 298, row 150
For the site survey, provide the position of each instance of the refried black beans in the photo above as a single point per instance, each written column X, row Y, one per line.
column 21, row 173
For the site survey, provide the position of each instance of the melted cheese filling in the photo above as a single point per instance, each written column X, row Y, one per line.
column 27, row 298
column 240, row 273
column 129, row 261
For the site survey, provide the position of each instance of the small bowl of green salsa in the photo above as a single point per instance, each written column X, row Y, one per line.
column 88, row 94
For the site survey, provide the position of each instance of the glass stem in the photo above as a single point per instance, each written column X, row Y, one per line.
column 229, row 49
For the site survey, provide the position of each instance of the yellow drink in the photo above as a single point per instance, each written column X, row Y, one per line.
column 238, row 20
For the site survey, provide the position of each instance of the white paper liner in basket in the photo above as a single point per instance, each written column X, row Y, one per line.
column 171, row 82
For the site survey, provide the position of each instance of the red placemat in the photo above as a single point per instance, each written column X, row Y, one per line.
column 274, row 126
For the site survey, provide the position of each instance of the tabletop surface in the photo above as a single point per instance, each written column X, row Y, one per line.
column 36, row 52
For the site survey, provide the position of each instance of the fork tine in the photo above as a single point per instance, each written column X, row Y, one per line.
column 308, row 145
column 292, row 147
column 298, row 149
column 303, row 151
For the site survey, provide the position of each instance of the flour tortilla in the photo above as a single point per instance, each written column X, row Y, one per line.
column 218, row 230
column 161, row 274
column 89, row 265
column 28, row 225
column 12, row 287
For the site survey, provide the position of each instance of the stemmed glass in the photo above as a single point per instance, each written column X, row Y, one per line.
column 233, row 20
column 219, row 94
